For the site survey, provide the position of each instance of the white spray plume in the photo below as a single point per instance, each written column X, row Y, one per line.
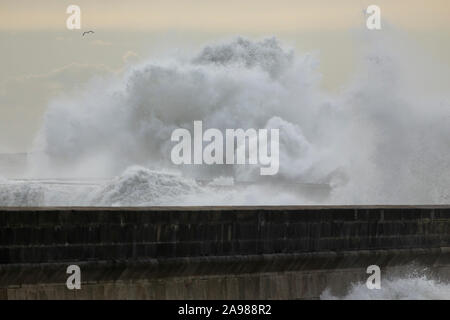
column 383, row 139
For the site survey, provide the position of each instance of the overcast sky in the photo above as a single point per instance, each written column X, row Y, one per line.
column 41, row 58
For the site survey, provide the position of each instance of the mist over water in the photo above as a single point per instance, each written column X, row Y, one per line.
column 384, row 138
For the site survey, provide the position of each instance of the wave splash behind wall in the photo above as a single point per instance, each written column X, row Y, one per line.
column 382, row 139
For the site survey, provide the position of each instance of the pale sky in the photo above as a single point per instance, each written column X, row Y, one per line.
column 219, row 15
column 40, row 58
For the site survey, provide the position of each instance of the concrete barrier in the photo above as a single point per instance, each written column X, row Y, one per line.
column 214, row 252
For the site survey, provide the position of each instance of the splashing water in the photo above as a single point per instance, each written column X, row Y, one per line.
column 414, row 288
column 383, row 139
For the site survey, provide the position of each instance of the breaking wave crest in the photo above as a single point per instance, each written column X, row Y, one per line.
column 141, row 186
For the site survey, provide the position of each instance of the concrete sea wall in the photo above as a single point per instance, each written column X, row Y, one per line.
column 214, row 252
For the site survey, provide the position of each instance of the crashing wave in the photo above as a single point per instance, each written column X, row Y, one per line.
column 374, row 142
column 139, row 186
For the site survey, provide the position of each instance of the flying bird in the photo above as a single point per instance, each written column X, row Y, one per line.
column 86, row 32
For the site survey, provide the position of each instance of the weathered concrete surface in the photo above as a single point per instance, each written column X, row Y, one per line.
column 214, row 252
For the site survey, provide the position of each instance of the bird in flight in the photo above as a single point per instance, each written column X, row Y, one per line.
column 86, row 32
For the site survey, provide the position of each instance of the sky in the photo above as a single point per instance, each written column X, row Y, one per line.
column 41, row 59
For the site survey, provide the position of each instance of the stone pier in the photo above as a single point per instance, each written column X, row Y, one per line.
column 215, row 252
